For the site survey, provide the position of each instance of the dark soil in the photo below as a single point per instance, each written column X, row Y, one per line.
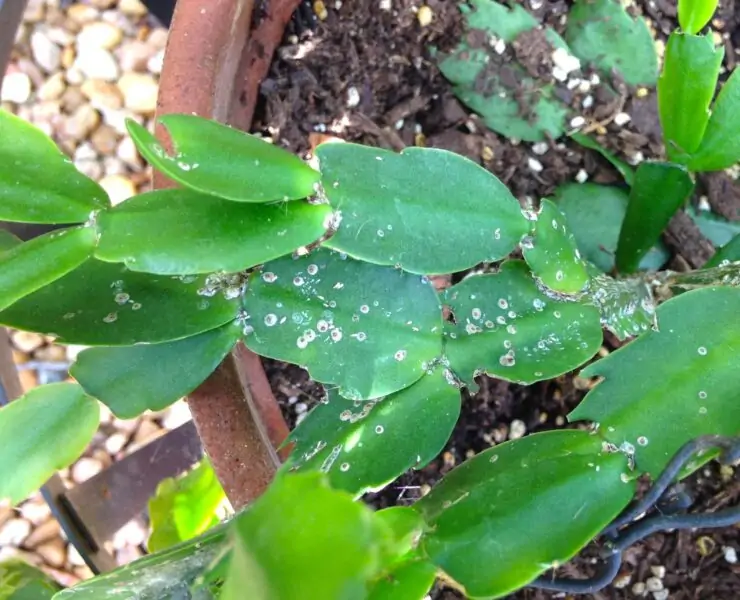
column 383, row 57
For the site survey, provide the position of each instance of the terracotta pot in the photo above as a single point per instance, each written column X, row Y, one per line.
column 214, row 63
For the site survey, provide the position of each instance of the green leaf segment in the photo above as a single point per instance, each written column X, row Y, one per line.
column 292, row 261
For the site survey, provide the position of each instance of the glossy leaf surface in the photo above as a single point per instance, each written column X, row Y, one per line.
column 508, row 98
column 730, row 251
column 659, row 191
column 60, row 412
column 687, row 374
column 411, row 580
column 105, row 304
column 396, row 209
column 506, row 327
column 166, row 575
column 330, row 545
column 185, row 507
column 133, row 379
column 21, row 581
column 595, row 213
column 685, row 90
column 180, row 232
column 626, row 305
column 36, row 263
column 38, row 184
column 601, row 32
column 488, row 530
column 551, row 252
column 625, row 170
column 219, row 160
column 720, row 146
column 693, row 15
column 364, row 445
column 369, row 329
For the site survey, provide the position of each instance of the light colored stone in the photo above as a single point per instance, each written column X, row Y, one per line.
column 80, row 123
column 35, row 511
column 14, row 531
column 73, row 556
column 54, row 553
column 72, row 99
column 52, row 88
column 115, row 443
column 112, row 165
column 102, row 94
column 104, row 139
column 117, row 119
column 132, row 8
column 6, row 513
column 82, row 13
column 158, row 38
column 99, row 34
column 16, row 88
column 27, row 341
column 42, row 534
column 46, row 53
column 176, row 415
column 134, row 55
column 118, row 187
column 60, row 36
column 74, row 75
column 128, row 153
column 85, row 468
column 155, row 63
column 85, row 151
column 102, row 4
column 34, row 12
column 132, row 533
column 52, row 353
column 139, row 92
column 98, row 63
column 128, row 554
column 68, row 57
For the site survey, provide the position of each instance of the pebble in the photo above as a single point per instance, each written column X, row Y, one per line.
column 104, row 139
column 540, row 148
column 16, row 88
column 132, row 8
column 118, row 187
column 517, row 429
column 534, row 165
column 99, row 34
column 42, row 534
column 155, row 63
column 176, row 415
column 638, row 589
column 128, row 153
column 89, row 168
column 80, row 123
column 661, row 595
column 85, row 468
column 158, row 38
column 54, row 553
column 82, row 13
column 115, row 442
column 582, row 176
column 14, row 531
column 139, row 92
column 45, row 52
column 102, row 94
column 73, row 556
column 425, row 15
column 622, row 119
column 653, row 584
column 658, row 571
column 128, row 554
column 36, row 511
column 730, row 554
column 133, row 533
column 98, row 63
column 52, row 353
column 52, row 88
column 27, row 341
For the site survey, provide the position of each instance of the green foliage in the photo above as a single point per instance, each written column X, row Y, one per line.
column 720, row 146
column 383, row 198
column 185, row 507
column 411, row 580
column 331, row 546
column 179, row 232
column 510, row 101
column 716, row 229
column 516, row 510
column 216, row 159
column 45, row 430
column 659, row 190
column 601, row 32
column 21, row 581
column 165, row 575
column 368, row 329
column 683, row 375
column 730, row 251
column 7, row 241
column 365, row 445
column 685, row 90
column 105, row 304
column 160, row 374
column 506, row 327
column 693, row 15
column 551, row 253
column 38, row 184
column 595, row 213
column 27, row 267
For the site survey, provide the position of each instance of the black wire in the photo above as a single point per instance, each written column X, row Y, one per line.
column 663, row 495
